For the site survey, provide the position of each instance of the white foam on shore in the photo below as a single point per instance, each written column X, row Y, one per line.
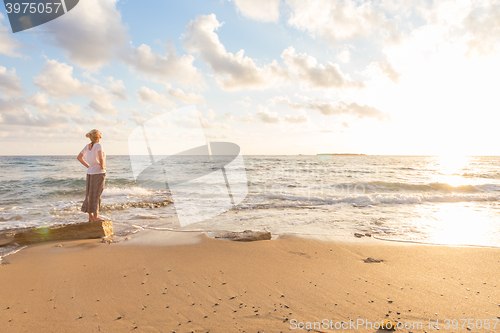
column 164, row 238
column 131, row 191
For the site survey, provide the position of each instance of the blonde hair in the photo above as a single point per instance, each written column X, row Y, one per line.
column 94, row 135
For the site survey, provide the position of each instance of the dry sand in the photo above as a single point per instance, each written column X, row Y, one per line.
column 210, row 285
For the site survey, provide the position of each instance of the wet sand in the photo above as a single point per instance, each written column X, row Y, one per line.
column 201, row 284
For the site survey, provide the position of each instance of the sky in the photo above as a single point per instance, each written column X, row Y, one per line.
column 276, row 77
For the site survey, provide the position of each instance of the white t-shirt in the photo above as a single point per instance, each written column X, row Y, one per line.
column 92, row 159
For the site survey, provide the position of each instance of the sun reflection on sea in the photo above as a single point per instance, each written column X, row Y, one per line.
column 460, row 223
column 450, row 169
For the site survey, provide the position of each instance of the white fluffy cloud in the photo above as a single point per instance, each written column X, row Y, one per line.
column 267, row 117
column 117, row 88
column 307, row 69
column 8, row 45
column 163, row 67
column 91, row 33
column 483, row 26
column 386, row 69
column 68, row 108
column 26, row 118
column 146, row 95
column 12, row 105
column 187, row 98
column 236, row 71
column 336, row 20
column 260, row 10
column 360, row 111
column 300, row 119
column 10, row 83
column 337, row 108
column 57, row 80
column 233, row 71
column 285, row 100
column 39, row 101
column 98, row 119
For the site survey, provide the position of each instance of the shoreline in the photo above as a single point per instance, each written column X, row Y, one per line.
column 202, row 284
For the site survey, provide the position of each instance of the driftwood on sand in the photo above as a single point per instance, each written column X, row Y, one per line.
column 84, row 230
column 245, row 236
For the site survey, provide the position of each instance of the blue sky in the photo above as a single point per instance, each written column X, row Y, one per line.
column 275, row 77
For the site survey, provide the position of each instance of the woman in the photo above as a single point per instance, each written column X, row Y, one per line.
column 96, row 174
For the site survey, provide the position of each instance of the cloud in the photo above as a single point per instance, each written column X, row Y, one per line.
column 68, row 108
column 344, row 55
column 12, row 105
column 146, row 95
column 117, row 88
column 336, row 21
column 360, row 111
column 285, row 100
column 25, row 118
column 137, row 117
column 57, row 80
column 300, row 119
column 386, row 68
column 98, row 119
column 91, row 33
column 187, row 98
column 8, row 45
column 260, row 10
column 237, row 71
column 245, row 102
column 306, row 68
column 206, row 124
column 233, row 71
column 105, row 108
column 40, row 101
column 267, row 117
column 163, row 68
column 10, row 83
column 248, row 118
column 211, row 114
column 483, row 26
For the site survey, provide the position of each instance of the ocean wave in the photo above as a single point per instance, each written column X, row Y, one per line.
column 124, row 191
column 381, row 186
column 389, row 199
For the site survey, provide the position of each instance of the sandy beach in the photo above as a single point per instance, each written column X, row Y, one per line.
column 202, row 284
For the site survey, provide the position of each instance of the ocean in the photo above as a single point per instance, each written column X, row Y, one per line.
column 431, row 199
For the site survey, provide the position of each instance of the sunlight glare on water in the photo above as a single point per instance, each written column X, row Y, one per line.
column 461, row 224
column 450, row 169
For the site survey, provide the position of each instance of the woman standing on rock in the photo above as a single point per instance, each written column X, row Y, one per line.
column 95, row 161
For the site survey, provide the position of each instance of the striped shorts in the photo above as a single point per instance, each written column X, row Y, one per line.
column 95, row 186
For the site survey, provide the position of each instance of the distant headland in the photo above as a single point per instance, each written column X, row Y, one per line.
column 341, row 154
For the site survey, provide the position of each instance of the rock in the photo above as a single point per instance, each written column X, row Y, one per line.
column 371, row 260
column 245, row 236
column 388, row 325
column 6, row 238
column 85, row 230
column 358, row 235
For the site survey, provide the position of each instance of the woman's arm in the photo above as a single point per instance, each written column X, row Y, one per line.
column 102, row 159
column 80, row 158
